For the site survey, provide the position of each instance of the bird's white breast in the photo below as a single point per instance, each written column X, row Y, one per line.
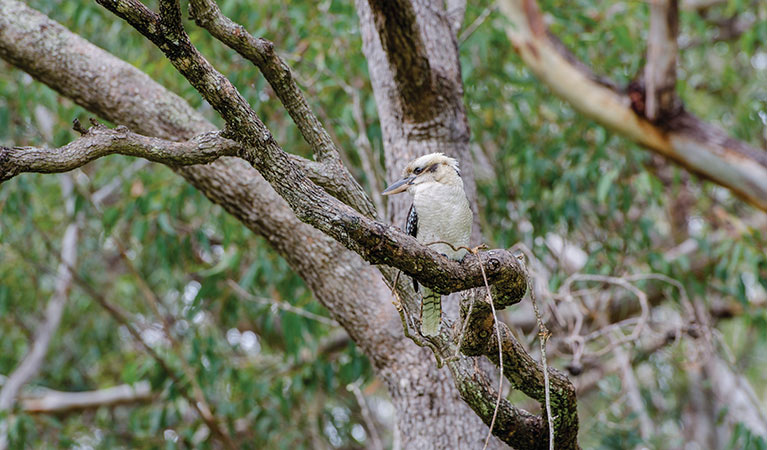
column 443, row 215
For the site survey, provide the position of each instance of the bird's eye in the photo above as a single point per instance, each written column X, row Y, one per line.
column 418, row 170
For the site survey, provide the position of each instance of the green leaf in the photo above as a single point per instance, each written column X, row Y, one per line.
column 605, row 183
column 110, row 217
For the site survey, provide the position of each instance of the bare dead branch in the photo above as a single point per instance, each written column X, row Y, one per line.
column 99, row 141
column 624, row 283
column 700, row 147
column 56, row 402
column 660, row 71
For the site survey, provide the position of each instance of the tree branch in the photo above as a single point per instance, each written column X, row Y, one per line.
column 376, row 242
column 660, row 72
column 700, row 147
column 232, row 185
column 99, row 141
column 121, row 93
column 261, row 53
column 514, row 426
column 524, row 372
column 56, row 402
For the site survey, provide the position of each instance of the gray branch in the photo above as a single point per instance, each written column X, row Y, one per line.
column 57, row 402
column 99, row 141
column 660, row 72
column 336, row 178
column 376, row 242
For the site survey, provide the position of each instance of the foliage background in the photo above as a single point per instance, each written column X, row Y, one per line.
column 541, row 169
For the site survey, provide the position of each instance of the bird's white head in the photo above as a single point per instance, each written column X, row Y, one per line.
column 431, row 168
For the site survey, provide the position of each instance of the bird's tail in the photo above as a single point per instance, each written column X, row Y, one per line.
column 431, row 312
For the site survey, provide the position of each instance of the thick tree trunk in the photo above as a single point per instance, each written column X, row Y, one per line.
column 429, row 117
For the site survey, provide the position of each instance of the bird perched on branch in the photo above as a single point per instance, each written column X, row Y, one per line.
column 440, row 212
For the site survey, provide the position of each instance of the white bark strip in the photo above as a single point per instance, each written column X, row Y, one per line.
column 57, row 402
column 30, row 365
column 660, row 71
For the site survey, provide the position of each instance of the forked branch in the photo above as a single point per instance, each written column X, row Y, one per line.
column 374, row 241
column 700, row 147
column 261, row 53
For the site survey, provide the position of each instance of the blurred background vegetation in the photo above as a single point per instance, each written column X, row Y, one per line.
column 290, row 380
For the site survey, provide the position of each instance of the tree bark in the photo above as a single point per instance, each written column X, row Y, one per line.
column 700, row 147
column 661, row 101
column 411, row 129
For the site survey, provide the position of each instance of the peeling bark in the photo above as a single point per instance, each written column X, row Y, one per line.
column 700, row 147
column 661, row 101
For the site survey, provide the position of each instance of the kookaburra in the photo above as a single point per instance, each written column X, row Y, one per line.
column 440, row 212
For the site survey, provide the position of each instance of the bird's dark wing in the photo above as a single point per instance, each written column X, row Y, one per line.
column 411, row 228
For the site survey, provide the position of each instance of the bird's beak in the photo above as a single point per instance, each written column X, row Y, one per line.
column 399, row 186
